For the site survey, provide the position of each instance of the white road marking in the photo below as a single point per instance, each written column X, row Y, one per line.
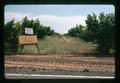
column 63, row 76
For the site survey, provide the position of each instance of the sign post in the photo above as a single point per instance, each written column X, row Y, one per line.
column 28, row 39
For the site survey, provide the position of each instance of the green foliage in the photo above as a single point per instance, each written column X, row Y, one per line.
column 38, row 29
column 11, row 36
column 106, row 35
column 13, row 30
column 77, row 31
column 92, row 27
column 100, row 30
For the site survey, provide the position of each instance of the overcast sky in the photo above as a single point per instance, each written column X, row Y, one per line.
column 59, row 17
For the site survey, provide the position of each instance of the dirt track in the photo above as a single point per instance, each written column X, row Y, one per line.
column 60, row 62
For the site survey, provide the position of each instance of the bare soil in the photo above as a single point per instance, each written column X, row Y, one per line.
column 68, row 62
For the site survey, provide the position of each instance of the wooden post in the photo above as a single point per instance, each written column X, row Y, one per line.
column 21, row 48
column 37, row 48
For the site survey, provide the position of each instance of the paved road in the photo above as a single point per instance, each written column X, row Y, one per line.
column 58, row 72
column 39, row 76
column 27, row 74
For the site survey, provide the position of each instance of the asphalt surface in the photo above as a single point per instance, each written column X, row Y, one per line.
column 28, row 74
column 58, row 72
column 39, row 76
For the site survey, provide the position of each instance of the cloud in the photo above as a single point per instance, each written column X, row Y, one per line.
column 15, row 15
column 60, row 24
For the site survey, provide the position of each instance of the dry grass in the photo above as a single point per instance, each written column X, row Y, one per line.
column 59, row 45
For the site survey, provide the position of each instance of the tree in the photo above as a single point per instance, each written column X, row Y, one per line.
column 13, row 30
column 38, row 29
column 92, row 27
column 76, row 31
column 101, row 31
column 11, row 38
column 106, row 35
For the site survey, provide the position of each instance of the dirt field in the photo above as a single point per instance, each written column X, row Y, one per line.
column 69, row 62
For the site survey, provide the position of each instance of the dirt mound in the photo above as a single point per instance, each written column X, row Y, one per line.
column 58, row 62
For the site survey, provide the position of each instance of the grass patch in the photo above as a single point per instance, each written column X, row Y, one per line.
column 57, row 45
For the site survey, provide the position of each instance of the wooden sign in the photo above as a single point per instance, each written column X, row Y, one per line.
column 27, row 39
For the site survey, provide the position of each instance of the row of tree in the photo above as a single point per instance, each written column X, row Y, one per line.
column 14, row 29
column 100, row 30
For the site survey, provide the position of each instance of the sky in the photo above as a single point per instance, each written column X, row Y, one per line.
column 59, row 17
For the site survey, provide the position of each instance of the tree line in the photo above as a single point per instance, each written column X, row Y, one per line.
column 99, row 29
column 14, row 29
